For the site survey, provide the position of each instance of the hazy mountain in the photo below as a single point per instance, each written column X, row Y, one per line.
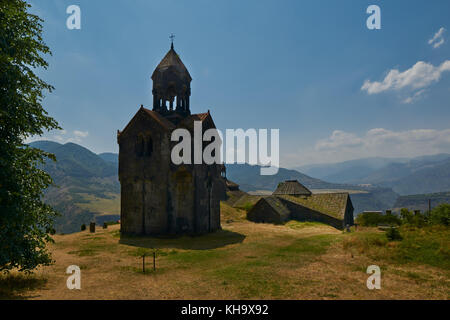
column 249, row 176
column 424, row 179
column 109, row 156
column 425, row 174
column 420, row 201
column 348, row 171
column 87, row 186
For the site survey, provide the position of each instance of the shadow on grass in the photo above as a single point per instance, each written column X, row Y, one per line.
column 214, row 240
column 15, row 287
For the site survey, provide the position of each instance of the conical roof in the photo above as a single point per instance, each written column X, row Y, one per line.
column 292, row 188
column 172, row 60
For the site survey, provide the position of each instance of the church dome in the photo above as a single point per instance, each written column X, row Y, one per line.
column 172, row 85
column 171, row 63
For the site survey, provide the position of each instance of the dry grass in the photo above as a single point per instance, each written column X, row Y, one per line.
column 243, row 261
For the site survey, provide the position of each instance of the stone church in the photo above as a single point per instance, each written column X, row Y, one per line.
column 157, row 196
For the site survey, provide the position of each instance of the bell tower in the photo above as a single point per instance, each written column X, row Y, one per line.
column 171, row 85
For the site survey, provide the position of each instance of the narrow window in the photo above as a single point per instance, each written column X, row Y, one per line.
column 140, row 146
column 149, row 149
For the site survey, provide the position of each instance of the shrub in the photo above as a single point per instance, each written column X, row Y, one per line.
column 406, row 215
column 393, row 234
column 83, row 227
column 372, row 219
column 440, row 215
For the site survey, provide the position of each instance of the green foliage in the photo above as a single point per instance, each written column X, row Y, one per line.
column 406, row 216
column 25, row 220
column 393, row 234
column 440, row 215
column 247, row 206
column 428, row 245
column 83, row 227
column 373, row 219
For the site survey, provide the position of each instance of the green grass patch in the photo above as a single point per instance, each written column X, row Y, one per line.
column 297, row 225
column 430, row 245
column 198, row 257
column 427, row 245
column 100, row 205
column 94, row 247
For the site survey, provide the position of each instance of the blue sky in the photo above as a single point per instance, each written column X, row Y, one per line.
column 310, row 68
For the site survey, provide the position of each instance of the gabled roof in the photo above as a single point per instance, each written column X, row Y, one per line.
column 166, row 124
column 269, row 209
column 159, row 118
column 332, row 204
column 189, row 120
column 277, row 206
column 293, row 188
column 172, row 60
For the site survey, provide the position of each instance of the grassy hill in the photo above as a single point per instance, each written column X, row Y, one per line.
column 86, row 186
column 243, row 261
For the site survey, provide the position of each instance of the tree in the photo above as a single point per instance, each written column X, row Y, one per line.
column 441, row 215
column 406, row 215
column 25, row 220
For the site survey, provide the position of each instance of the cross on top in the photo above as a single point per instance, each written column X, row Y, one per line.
column 171, row 37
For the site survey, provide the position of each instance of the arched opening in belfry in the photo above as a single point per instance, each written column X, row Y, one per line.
column 171, row 94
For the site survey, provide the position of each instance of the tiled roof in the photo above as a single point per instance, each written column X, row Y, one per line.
column 278, row 206
column 332, row 204
column 163, row 121
column 172, row 60
column 291, row 187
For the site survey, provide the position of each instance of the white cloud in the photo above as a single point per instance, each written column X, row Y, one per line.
column 376, row 142
column 414, row 97
column 80, row 134
column 339, row 139
column 414, row 79
column 437, row 39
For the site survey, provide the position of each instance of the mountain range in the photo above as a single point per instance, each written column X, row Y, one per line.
column 406, row 176
column 87, row 188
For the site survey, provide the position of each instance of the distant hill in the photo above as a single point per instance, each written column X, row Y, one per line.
column 425, row 174
column 82, row 179
column 87, row 187
column 109, row 156
column 348, row 171
column 420, row 201
column 250, row 179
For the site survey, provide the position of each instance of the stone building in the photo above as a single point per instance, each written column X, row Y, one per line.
column 157, row 196
column 293, row 201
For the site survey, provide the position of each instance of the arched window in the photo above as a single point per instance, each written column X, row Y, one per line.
column 149, row 144
column 140, row 144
